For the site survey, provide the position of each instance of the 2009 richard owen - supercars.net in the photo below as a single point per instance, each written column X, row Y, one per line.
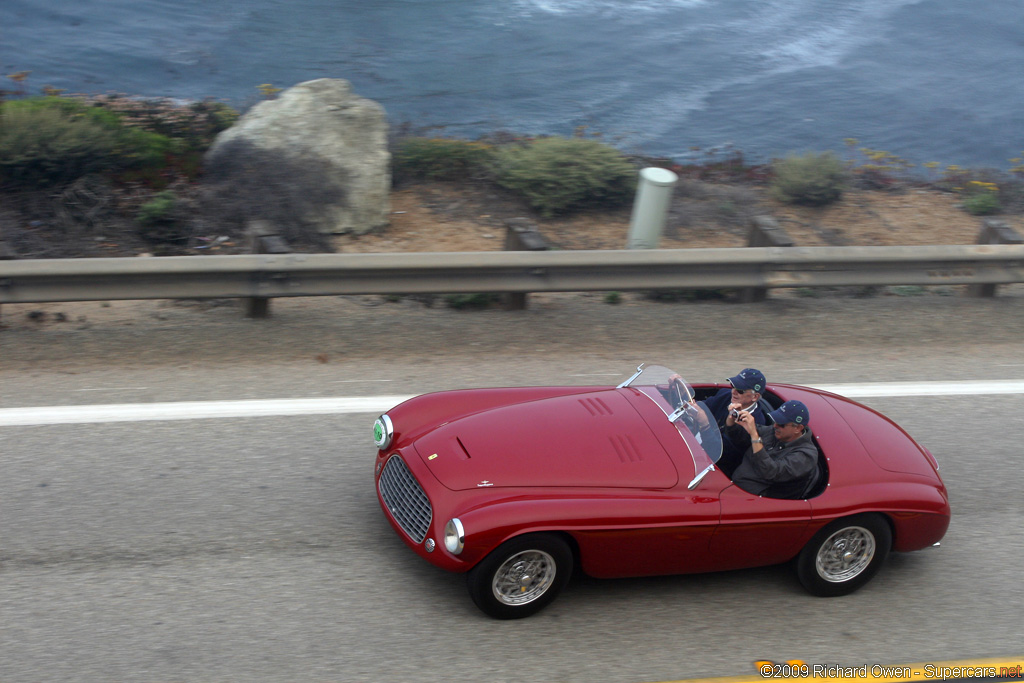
column 518, row 487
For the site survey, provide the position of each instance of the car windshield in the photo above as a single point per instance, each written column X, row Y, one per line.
column 675, row 397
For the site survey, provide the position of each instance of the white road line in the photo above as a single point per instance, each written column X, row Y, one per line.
column 194, row 410
column 198, row 410
column 111, row 389
column 950, row 388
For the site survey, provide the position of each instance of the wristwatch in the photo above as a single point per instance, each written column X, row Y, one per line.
column 757, row 440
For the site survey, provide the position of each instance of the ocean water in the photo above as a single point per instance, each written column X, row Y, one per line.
column 929, row 80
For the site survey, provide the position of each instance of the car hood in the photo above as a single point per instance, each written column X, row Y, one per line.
column 594, row 439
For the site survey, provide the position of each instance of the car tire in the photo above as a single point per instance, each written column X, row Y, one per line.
column 844, row 555
column 521, row 576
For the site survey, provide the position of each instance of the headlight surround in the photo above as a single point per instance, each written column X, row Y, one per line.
column 383, row 432
column 454, row 536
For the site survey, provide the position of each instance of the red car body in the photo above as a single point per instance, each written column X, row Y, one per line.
column 604, row 469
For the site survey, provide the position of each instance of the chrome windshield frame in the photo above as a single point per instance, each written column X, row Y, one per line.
column 692, row 419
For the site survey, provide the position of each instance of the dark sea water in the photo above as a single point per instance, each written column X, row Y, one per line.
column 929, row 80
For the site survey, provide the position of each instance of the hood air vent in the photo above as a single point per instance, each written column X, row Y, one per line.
column 596, row 407
column 626, row 448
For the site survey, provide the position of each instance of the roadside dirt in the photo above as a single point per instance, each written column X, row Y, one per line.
column 449, row 217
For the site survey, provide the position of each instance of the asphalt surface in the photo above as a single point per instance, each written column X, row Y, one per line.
column 253, row 548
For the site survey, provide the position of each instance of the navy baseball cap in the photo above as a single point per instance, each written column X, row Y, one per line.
column 749, row 379
column 791, row 411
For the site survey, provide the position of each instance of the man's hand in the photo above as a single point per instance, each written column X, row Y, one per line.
column 698, row 414
column 746, row 420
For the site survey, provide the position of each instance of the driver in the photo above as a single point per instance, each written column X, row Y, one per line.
column 746, row 391
column 780, row 461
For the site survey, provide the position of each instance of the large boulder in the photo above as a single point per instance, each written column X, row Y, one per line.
column 312, row 161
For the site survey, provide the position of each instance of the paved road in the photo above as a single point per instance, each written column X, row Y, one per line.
column 253, row 549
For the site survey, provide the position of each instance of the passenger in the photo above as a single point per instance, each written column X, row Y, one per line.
column 746, row 391
column 780, row 461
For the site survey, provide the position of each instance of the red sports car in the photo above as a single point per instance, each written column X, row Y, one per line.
column 518, row 486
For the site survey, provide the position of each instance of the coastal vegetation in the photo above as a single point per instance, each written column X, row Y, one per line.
column 810, row 179
column 559, row 175
column 78, row 172
column 554, row 175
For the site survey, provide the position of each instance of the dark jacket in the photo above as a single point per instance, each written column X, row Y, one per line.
column 719, row 407
column 778, row 470
column 732, row 452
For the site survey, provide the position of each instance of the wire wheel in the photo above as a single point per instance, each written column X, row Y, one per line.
column 845, row 554
column 521, row 576
column 524, row 577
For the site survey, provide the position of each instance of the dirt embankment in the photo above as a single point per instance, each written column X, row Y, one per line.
column 449, row 217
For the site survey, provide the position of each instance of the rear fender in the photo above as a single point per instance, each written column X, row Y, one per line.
column 918, row 512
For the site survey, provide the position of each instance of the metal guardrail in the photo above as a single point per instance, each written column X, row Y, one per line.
column 288, row 275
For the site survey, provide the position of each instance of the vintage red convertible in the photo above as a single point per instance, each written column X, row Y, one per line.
column 518, row 486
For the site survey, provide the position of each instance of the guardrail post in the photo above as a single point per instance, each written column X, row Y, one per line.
column 764, row 232
column 263, row 239
column 993, row 231
column 521, row 234
column 6, row 254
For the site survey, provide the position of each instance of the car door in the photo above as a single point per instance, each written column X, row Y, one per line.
column 659, row 533
column 757, row 531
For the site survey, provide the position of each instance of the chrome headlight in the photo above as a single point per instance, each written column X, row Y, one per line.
column 454, row 536
column 383, row 431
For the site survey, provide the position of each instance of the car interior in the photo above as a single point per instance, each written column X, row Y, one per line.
column 769, row 402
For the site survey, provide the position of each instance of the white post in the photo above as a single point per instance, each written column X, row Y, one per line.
column 650, row 208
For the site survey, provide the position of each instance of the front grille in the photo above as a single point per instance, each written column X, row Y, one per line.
column 405, row 499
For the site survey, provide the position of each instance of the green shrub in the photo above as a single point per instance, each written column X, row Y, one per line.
column 159, row 209
column 559, row 175
column 981, row 198
column 982, row 204
column 810, row 179
column 50, row 140
column 46, row 147
column 441, row 159
column 158, row 219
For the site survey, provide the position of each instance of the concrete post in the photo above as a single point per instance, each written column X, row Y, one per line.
column 650, row 208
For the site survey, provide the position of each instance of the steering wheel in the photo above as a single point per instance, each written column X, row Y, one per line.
column 680, row 395
column 678, row 392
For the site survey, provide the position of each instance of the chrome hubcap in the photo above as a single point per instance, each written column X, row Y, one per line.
column 845, row 554
column 524, row 577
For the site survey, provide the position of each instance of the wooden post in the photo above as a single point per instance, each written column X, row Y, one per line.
column 764, row 232
column 521, row 234
column 6, row 254
column 263, row 239
column 993, row 231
